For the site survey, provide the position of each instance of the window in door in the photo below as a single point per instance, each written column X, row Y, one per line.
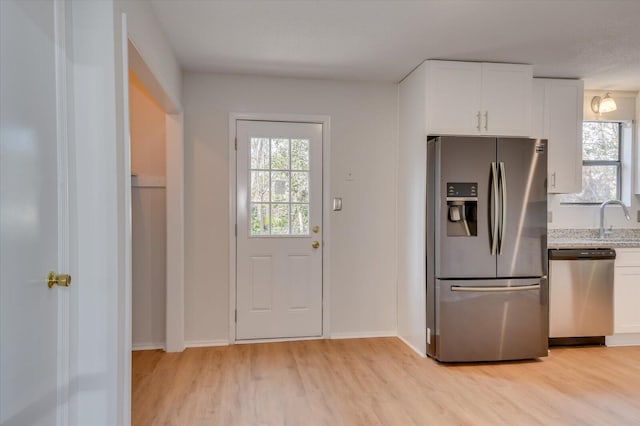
column 601, row 163
column 279, row 187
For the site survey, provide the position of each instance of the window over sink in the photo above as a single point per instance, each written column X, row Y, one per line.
column 601, row 164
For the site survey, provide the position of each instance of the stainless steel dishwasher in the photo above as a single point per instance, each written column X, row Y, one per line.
column 580, row 295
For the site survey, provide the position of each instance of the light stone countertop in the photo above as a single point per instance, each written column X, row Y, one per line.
column 590, row 238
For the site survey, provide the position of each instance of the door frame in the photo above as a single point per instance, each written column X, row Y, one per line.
column 325, row 121
column 174, row 147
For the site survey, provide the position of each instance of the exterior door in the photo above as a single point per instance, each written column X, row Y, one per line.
column 30, row 385
column 522, row 250
column 279, row 230
column 465, row 161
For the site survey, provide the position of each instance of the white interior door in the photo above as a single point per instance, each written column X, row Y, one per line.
column 279, row 230
column 29, row 351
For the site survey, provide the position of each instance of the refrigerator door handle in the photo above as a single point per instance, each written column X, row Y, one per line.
column 494, row 218
column 495, row 289
column 503, row 202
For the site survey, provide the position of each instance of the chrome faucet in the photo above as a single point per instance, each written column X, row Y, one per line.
column 603, row 233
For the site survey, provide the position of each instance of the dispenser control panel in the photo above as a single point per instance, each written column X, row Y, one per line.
column 462, row 206
column 462, row 190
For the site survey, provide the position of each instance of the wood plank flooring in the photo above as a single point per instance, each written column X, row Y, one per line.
column 381, row 382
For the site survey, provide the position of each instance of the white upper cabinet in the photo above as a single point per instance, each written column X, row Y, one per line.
column 454, row 97
column 557, row 116
column 538, row 117
column 506, row 99
column 471, row 98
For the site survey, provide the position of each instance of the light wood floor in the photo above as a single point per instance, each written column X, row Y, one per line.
column 381, row 381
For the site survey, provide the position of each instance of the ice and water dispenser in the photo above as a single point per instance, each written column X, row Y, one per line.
column 462, row 206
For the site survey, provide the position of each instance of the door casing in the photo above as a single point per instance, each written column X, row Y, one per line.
column 326, row 222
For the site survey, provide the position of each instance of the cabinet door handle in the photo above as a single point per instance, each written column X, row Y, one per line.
column 553, row 179
column 486, row 120
column 478, row 116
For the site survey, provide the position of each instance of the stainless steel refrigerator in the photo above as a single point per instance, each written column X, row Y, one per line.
column 487, row 289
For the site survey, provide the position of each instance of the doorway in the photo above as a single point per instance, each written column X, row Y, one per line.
column 167, row 332
column 148, row 217
column 279, row 229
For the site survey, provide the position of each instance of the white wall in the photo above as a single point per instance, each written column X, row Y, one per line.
column 99, row 373
column 149, row 281
column 363, row 142
column 146, row 34
column 148, row 131
column 412, row 154
column 580, row 217
column 148, row 217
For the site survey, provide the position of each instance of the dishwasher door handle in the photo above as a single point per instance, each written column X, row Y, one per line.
column 495, row 289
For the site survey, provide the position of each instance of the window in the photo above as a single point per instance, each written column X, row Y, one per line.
column 279, row 187
column 601, row 163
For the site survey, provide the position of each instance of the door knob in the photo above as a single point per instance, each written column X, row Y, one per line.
column 315, row 244
column 63, row 280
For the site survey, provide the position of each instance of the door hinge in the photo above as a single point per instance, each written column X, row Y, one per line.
column 236, row 316
column 236, row 144
column 236, row 231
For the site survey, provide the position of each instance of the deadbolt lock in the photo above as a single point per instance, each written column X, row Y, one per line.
column 63, row 280
column 315, row 244
column 315, row 229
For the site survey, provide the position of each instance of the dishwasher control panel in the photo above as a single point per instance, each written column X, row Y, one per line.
column 580, row 254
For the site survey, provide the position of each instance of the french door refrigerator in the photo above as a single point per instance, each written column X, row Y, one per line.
column 487, row 288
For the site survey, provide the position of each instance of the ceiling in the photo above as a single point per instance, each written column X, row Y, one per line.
column 598, row 41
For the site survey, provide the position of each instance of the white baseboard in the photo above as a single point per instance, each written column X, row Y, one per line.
column 416, row 350
column 364, row 334
column 205, row 343
column 278, row 340
column 146, row 346
column 626, row 339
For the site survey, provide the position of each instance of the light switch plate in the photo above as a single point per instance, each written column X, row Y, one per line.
column 550, row 216
column 336, row 204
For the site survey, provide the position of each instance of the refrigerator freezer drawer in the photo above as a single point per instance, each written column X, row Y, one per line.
column 491, row 320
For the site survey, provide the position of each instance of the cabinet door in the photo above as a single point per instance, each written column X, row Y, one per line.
column 453, row 97
column 563, row 109
column 506, row 99
column 627, row 300
column 539, row 124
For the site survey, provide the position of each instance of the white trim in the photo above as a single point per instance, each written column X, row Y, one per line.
column 231, row 161
column 626, row 339
column 416, row 350
column 146, row 346
column 63, row 134
column 206, row 343
column 364, row 335
column 325, row 120
column 326, row 223
column 125, row 313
